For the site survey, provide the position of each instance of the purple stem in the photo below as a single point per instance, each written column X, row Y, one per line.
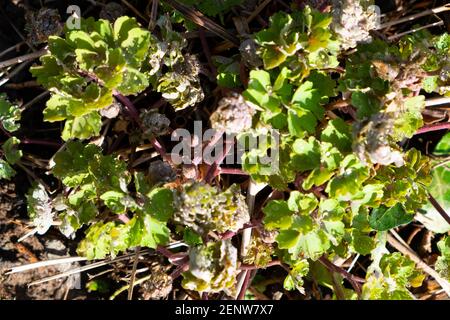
column 227, row 235
column 179, row 259
column 179, row 270
column 247, row 281
column 207, row 52
column 134, row 114
column 232, row 171
column 160, row 149
column 214, row 169
column 434, row 127
column 167, row 253
column 129, row 106
column 354, row 280
column 123, row 218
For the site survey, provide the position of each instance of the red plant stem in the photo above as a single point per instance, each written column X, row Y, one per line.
column 207, row 52
column 331, row 266
column 123, row 218
column 245, row 285
column 129, row 106
column 134, row 114
column 233, row 171
column 434, row 127
column 31, row 141
column 179, row 270
column 214, row 169
column 160, row 149
column 231, row 234
column 438, row 208
column 179, row 258
column 354, row 280
column 227, row 235
column 165, row 252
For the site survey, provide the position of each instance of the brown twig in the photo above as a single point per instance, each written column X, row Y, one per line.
column 415, row 16
column 135, row 11
column 20, row 59
column 38, row 98
column 438, row 208
column 14, row 47
column 201, row 20
column 258, row 10
column 153, row 15
column 133, row 273
column 22, row 85
column 207, row 52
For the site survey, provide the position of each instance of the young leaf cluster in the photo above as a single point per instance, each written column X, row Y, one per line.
column 353, row 179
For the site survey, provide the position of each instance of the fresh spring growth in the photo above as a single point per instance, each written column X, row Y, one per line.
column 10, row 114
column 443, row 262
column 344, row 198
column 88, row 67
column 392, row 279
column 101, row 183
column 11, row 155
column 300, row 41
column 341, row 177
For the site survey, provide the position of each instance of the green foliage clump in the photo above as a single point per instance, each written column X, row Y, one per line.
column 341, row 177
column 354, row 179
column 87, row 67
column 90, row 66
column 99, row 183
column 443, row 261
column 307, row 228
column 12, row 155
column 259, row 253
column 300, row 41
column 391, row 279
column 10, row 114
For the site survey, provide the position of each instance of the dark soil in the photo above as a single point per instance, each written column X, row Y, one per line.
column 31, row 249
